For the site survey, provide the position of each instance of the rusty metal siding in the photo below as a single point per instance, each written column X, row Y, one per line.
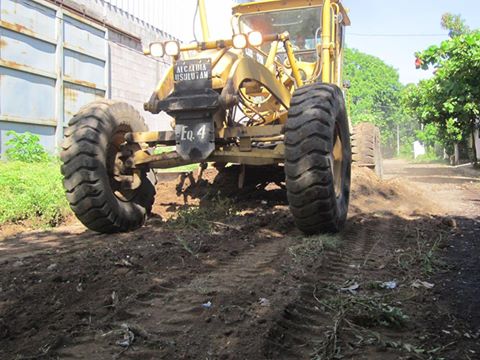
column 26, row 97
column 30, row 16
column 22, row 49
column 51, row 63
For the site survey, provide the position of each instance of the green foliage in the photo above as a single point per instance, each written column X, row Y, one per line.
column 367, row 311
column 406, row 151
column 451, row 99
column 184, row 168
column 455, row 24
column 430, row 157
column 429, row 135
column 375, row 88
column 25, row 147
column 376, row 96
column 32, row 192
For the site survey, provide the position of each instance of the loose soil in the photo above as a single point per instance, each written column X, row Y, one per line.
column 231, row 277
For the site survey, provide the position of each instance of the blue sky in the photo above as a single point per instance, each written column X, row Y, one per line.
column 381, row 17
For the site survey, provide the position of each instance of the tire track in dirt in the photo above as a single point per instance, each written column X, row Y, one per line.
column 303, row 325
column 176, row 309
column 170, row 313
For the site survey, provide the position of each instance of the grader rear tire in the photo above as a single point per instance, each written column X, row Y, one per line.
column 366, row 147
column 91, row 145
column 318, row 159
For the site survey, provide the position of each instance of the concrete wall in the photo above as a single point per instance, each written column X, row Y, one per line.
column 133, row 77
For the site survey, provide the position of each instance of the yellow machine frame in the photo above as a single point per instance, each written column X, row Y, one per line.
column 253, row 99
column 231, row 69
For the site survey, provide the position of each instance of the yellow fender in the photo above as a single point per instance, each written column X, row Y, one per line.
column 248, row 69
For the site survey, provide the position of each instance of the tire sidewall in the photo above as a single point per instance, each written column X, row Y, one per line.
column 124, row 115
column 341, row 120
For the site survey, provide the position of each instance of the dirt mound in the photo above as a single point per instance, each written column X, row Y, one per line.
column 370, row 194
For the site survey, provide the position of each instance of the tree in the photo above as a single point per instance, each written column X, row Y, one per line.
column 451, row 99
column 428, row 135
column 375, row 93
column 455, row 24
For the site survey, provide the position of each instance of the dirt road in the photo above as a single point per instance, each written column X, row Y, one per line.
column 231, row 277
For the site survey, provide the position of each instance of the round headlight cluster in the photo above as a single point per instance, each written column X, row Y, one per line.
column 159, row 49
column 241, row 41
column 255, row 38
column 172, row 47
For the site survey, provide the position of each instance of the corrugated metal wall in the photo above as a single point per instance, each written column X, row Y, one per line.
column 51, row 63
column 53, row 60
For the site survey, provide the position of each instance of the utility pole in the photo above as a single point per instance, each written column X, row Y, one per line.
column 398, row 139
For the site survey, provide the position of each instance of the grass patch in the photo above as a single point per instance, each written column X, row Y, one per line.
column 367, row 311
column 185, row 168
column 202, row 218
column 32, row 192
column 429, row 158
column 312, row 247
column 192, row 249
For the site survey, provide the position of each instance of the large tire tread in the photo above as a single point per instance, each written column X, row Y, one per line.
column 314, row 112
column 86, row 180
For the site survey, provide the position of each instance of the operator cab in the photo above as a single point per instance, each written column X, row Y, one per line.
column 303, row 25
column 302, row 19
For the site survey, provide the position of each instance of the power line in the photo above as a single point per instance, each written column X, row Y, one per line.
column 395, row 35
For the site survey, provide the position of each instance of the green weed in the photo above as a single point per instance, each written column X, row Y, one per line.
column 33, row 192
column 188, row 247
column 429, row 158
column 185, row 168
column 25, row 147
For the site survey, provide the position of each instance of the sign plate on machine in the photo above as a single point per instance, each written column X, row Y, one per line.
column 194, row 131
column 192, row 75
column 195, row 138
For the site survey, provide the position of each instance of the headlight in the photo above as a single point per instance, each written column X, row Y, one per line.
column 240, row 41
column 172, row 48
column 255, row 38
column 157, row 49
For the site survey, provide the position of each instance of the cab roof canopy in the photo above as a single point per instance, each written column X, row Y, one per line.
column 276, row 5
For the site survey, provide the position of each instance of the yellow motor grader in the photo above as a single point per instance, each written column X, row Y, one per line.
column 269, row 95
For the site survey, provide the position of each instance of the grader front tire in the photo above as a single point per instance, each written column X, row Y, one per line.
column 318, row 159
column 89, row 151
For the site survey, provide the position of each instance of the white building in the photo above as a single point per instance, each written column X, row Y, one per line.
column 176, row 17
